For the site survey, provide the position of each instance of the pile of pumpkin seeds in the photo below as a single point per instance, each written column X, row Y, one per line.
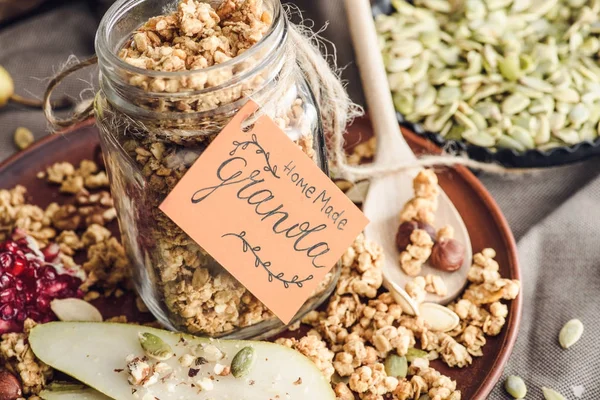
column 517, row 74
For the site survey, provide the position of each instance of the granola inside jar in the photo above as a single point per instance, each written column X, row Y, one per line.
column 171, row 79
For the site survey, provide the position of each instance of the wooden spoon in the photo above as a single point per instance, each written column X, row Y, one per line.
column 388, row 194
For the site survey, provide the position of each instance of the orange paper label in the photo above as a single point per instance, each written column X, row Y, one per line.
column 266, row 212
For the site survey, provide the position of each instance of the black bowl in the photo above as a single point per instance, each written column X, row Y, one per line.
column 507, row 157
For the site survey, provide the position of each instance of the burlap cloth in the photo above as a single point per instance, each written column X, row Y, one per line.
column 554, row 214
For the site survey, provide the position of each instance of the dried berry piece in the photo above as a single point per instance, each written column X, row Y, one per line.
column 406, row 229
column 448, row 255
column 10, row 387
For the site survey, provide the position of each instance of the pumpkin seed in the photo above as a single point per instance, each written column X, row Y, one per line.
column 75, row 310
column 570, row 333
column 567, row 95
column 506, row 142
column 526, row 68
column 510, row 67
column 413, row 354
column 515, row 386
column 542, row 134
column 537, row 84
column 155, row 347
column 448, row 95
column 568, row 136
column 515, row 103
column 550, row 394
column 404, row 102
column 242, row 362
column 396, row 366
column 579, row 114
column 464, row 121
column 398, row 64
column 522, row 135
column 23, row 138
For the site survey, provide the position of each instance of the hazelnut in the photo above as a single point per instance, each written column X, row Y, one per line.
column 407, row 228
column 447, row 255
column 10, row 388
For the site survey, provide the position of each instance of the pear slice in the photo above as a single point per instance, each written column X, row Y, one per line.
column 70, row 391
column 95, row 353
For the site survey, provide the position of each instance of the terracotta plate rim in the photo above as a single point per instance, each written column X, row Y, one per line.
column 514, row 320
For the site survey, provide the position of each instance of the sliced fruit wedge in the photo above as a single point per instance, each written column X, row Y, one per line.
column 96, row 353
column 70, row 391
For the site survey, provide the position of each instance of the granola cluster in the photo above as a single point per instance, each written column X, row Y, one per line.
column 18, row 358
column 363, row 152
column 420, row 208
column 418, row 242
column 194, row 37
column 362, row 328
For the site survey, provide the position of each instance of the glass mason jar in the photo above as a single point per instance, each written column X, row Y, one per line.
column 154, row 125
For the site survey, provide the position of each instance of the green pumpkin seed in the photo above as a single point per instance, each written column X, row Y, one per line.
column 526, row 68
column 579, row 114
column 510, row 67
column 413, row 354
column 425, row 100
column 515, row 386
column 506, row 142
column 448, row 95
column 557, row 121
column 570, row 333
column 569, row 136
column 396, row 366
column 515, row 103
column 155, row 347
column 242, row 362
column 537, row 84
column 567, row 95
column 542, row 134
column 404, row 102
column 477, row 138
column 523, row 136
column 550, row 394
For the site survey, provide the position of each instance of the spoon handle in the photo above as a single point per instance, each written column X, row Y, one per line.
column 391, row 145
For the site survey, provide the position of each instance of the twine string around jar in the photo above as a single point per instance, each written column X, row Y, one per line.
column 336, row 108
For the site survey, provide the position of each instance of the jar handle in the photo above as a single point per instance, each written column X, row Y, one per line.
column 76, row 117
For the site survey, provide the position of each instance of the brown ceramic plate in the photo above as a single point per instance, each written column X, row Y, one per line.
column 483, row 218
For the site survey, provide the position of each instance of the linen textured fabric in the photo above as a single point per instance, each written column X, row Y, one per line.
column 554, row 213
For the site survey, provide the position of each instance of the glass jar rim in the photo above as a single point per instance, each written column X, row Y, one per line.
column 120, row 8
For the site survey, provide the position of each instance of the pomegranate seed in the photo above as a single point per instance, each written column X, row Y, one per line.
column 29, row 284
column 51, row 252
column 6, row 260
column 43, row 302
column 48, row 273
column 6, row 280
column 10, row 246
column 21, row 316
column 7, row 312
column 18, row 266
column 7, row 296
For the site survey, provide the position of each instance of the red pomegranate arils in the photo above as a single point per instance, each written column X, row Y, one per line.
column 29, row 282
